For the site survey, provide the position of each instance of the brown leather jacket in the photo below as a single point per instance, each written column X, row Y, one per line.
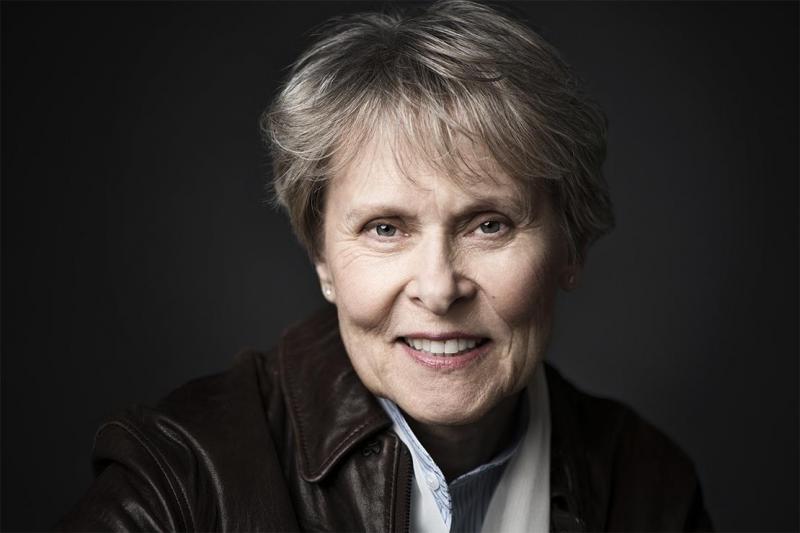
column 291, row 440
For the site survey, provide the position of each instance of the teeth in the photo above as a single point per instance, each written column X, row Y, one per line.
column 446, row 347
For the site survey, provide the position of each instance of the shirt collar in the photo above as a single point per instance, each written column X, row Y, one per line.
column 433, row 478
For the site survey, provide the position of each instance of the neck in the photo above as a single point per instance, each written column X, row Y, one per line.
column 459, row 449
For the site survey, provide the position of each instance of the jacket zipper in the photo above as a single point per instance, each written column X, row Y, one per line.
column 410, row 479
column 405, row 469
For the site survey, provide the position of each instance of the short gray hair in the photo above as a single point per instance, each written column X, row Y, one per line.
column 456, row 69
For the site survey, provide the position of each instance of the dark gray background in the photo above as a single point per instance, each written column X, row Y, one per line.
column 137, row 252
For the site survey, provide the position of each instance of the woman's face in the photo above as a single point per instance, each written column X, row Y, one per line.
column 445, row 293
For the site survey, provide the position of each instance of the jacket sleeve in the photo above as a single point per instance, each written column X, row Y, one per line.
column 135, row 488
column 698, row 518
column 656, row 486
column 203, row 459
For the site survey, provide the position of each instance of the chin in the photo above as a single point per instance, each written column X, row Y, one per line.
column 445, row 409
column 447, row 418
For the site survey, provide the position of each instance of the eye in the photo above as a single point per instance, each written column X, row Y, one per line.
column 383, row 233
column 491, row 226
column 385, row 230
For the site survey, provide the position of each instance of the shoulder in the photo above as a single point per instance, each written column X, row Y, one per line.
column 608, row 426
column 631, row 475
column 209, row 447
column 210, row 412
column 239, row 396
column 217, row 418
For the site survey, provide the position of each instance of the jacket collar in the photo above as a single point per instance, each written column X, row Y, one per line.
column 330, row 409
column 332, row 412
column 569, row 470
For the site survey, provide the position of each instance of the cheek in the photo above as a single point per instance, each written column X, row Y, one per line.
column 520, row 283
column 366, row 286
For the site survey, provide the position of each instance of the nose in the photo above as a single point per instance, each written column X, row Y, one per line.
column 437, row 284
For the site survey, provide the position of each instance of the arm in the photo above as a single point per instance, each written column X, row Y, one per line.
column 135, row 487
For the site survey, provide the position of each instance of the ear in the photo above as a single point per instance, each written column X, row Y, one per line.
column 569, row 277
column 571, row 274
column 325, row 280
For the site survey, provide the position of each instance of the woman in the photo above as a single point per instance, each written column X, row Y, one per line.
column 443, row 171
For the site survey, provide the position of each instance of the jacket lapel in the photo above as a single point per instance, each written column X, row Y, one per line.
column 570, row 481
column 330, row 409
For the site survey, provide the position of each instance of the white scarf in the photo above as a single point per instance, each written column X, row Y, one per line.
column 521, row 500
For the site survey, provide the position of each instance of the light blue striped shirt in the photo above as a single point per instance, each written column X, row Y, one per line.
column 463, row 503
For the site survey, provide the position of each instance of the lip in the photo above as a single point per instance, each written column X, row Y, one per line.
column 449, row 362
column 443, row 336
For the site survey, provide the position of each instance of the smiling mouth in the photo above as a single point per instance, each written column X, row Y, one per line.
column 444, row 347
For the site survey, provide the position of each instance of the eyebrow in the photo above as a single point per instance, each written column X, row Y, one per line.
column 515, row 206
column 357, row 214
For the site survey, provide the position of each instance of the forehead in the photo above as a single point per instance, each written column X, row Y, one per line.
column 387, row 167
